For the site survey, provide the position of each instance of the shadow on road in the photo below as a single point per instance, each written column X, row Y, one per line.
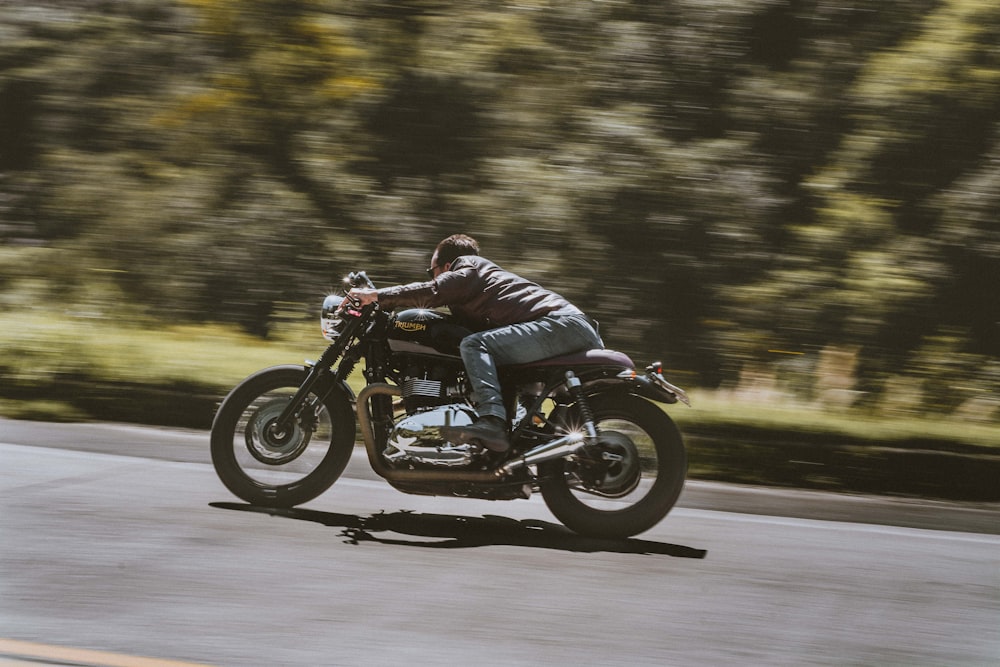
column 460, row 532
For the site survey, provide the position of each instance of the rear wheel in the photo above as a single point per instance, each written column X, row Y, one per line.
column 267, row 466
column 626, row 483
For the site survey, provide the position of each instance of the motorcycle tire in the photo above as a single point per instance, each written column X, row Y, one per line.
column 663, row 467
column 291, row 468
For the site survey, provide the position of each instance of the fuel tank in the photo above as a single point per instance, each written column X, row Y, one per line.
column 422, row 331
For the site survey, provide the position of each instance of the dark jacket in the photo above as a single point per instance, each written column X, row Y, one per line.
column 480, row 294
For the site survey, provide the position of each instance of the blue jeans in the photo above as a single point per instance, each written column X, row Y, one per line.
column 550, row 336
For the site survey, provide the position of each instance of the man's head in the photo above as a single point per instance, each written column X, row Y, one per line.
column 450, row 249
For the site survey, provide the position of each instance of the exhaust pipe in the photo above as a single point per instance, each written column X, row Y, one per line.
column 556, row 449
column 423, row 476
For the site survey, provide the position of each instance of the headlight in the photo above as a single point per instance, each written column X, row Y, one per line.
column 329, row 320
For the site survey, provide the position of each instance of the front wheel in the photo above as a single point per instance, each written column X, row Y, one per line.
column 626, row 483
column 274, row 467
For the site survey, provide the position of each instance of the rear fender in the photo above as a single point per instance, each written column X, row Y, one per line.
column 651, row 385
column 643, row 386
column 597, row 380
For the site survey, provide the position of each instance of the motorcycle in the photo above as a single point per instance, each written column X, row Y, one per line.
column 586, row 431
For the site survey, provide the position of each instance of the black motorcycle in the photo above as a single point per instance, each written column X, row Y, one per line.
column 608, row 462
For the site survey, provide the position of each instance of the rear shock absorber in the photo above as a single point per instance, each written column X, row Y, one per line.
column 574, row 386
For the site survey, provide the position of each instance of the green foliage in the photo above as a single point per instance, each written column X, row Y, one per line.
column 712, row 180
column 105, row 351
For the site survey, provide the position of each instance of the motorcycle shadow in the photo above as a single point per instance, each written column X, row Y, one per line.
column 442, row 531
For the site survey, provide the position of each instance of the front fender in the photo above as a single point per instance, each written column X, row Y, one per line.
column 326, row 383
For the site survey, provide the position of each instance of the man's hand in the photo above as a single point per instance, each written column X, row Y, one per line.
column 360, row 296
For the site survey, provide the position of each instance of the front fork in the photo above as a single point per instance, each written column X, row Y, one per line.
column 285, row 420
column 293, row 411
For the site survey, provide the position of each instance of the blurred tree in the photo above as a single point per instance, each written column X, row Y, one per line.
column 711, row 180
column 968, row 236
column 864, row 266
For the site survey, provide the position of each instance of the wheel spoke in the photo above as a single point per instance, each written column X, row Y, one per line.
column 274, row 457
column 626, row 482
column 265, row 464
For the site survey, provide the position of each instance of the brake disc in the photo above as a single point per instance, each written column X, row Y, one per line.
column 270, row 445
column 614, row 468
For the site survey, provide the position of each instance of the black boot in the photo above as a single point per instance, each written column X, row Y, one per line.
column 488, row 431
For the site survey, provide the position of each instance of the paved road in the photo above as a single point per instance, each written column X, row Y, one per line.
column 112, row 556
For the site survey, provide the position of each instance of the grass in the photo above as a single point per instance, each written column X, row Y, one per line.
column 715, row 410
column 60, row 369
column 42, row 410
column 207, row 355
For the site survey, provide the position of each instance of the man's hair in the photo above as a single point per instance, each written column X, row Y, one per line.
column 456, row 246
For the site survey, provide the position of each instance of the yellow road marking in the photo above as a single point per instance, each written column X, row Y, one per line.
column 13, row 653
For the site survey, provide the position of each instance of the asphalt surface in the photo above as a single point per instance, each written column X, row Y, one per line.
column 118, row 546
column 192, row 446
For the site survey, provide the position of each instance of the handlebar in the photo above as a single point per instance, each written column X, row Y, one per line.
column 359, row 279
column 353, row 280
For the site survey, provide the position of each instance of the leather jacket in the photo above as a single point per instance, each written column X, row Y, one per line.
column 480, row 294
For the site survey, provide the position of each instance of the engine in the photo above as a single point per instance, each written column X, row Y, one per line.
column 433, row 397
column 425, row 351
column 417, row 438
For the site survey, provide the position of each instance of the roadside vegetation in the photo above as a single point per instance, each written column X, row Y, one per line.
column 90, row 368
column 57, row 366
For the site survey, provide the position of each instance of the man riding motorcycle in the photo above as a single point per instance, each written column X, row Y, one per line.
column 514, row 320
